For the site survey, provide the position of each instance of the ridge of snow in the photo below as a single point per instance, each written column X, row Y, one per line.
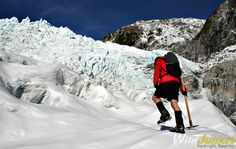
column 113, row 66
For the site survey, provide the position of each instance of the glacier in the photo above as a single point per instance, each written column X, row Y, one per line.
column 62, row 90
column 101, row 63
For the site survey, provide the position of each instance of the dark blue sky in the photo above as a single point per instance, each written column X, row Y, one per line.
column 95, row 18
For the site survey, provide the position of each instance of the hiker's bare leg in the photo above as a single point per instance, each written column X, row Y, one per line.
column 174, row 105
column 155, row 99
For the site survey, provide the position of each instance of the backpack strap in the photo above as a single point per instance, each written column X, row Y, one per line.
column 161, row 57
column 164, row 74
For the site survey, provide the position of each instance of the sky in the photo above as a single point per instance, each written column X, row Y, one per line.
column 96, row 18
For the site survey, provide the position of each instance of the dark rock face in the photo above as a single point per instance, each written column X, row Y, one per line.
column 191, row 83
column 218, row 32
column 221, row 79
column 127, row 35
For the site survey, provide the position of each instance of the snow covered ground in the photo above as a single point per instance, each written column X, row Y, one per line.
column 75, row 115
column 99, row 98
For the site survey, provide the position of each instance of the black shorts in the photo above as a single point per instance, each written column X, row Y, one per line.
column 168, row 90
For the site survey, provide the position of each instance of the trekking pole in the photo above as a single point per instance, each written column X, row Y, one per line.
column 186, row 102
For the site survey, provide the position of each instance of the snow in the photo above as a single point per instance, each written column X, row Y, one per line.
column 104, row 64
column 227, row 54
column 172, row 30
column 91, row 94
column 69, row 121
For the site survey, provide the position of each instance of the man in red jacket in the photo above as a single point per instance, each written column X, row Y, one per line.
column 167, row 86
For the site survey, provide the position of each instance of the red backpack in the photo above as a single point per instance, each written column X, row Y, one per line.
column 172, row 65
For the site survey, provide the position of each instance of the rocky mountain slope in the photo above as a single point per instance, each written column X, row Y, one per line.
column 221, row 79
column 215, row 46
column 218, row 32
column 156, row 34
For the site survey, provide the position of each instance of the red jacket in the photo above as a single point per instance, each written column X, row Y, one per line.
column 160, row 73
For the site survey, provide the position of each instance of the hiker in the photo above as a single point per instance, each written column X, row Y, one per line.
column 167, row 86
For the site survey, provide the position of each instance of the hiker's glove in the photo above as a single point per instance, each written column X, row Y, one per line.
column 184, row 93
column 155, row 85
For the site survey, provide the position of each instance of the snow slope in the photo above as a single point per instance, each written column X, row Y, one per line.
column 66, row 120
column 99, row 99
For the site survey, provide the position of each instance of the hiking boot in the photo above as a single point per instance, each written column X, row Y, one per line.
column 163, row 119
column 177, row 129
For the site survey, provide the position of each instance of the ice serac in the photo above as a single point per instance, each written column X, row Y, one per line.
column 113, row 66
column 21, row 77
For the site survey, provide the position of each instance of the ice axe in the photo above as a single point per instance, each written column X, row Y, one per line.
column 188, row 111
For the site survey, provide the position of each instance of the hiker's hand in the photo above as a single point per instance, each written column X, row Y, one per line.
column 184, row 93
column 155, row 85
